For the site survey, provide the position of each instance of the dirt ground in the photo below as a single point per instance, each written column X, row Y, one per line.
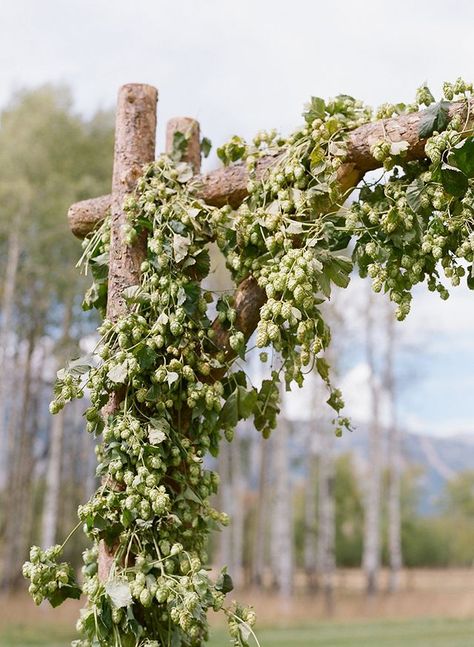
column 423, row 593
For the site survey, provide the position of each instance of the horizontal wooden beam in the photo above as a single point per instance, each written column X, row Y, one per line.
column 228, row 185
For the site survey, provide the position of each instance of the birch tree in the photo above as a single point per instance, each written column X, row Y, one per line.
column 49, row 156
column 371, row 552
column 282, row 516
column 326, row 561
column 394, row 458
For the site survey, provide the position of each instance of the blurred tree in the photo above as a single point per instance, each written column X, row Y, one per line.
column 349, row 507
column 394, row 457
column 372, row 546
column 49, row 158
column 282, row 514
column 458, row 498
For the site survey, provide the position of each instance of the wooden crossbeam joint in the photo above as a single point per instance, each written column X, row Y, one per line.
column 229, row 185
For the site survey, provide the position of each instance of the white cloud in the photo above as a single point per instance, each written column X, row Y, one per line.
column 440, row 428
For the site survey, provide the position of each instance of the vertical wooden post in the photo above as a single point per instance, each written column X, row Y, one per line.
column 190, row 128
column 135, row 135
column 134, row 147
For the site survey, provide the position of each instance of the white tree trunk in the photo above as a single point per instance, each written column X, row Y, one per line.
column 371, row 555
column 310, row 514
column 8, row 298
column 225, row 544
column 53, row 482
column 261, row 513
column 394, row 460
column 282, row 517
column 20, row 464
column 237, row 512
column 326, row 515
column 53, row 473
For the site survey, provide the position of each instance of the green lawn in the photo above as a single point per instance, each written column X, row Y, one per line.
column 411, row 633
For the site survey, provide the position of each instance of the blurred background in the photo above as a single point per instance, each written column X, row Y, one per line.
column 362, row 540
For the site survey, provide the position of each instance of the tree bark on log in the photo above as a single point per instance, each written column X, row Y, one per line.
column 229, row 185
column 135, row 134
column 190, row 129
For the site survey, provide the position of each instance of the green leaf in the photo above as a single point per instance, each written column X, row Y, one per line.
column 397, row 148
column 323, row 368
column 338, row 272
column 413, row 194
column 172, row 377
column 229, row 415
column 180, row 246
column 245, row 633
column 126, row 518
column 118, row 591
column 206, row 146
column 433, row 118
column 335, row 401
column 193, row 292
column 180, row 144
column 100, row 267
column 462, row 156
column 470, row 277
column 76, row 367
column 160, row 429
column 146, row 357
column 105, row 617
column 324, row 284
column 202, row 264
column 64, row 593
column 316, row 109
column 239, row 405
column 118, row 373
column 453, row 180
column 134, row 294
column 224, row 583
column 246, row 401
column 185, row 172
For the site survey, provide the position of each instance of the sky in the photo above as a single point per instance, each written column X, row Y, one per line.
column 242, row 66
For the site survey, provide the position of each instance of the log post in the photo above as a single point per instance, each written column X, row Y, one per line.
column 134, row 147
column 229, row 185
column 190, row 129
column 135, row 134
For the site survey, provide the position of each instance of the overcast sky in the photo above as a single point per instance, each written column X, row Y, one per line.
column 241, row 66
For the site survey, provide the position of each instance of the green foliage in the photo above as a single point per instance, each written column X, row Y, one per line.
column 459, row 495
column 349, row 508
column 179, row 393
column 435, row 118
column 50, row 580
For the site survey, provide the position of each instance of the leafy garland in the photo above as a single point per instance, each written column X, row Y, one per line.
column 180, row 393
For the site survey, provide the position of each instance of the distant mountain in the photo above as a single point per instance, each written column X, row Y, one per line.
column 438, row 459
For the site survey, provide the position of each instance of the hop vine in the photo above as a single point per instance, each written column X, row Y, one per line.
column 181, row 394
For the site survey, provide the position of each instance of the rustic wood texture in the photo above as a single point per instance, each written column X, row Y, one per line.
column 135, row 135
column 229, row 185
column 248, row 299
column 84, row 216
column 190, row 128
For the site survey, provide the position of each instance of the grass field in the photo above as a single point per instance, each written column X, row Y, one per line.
column 432, row 609
column 411, row 633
